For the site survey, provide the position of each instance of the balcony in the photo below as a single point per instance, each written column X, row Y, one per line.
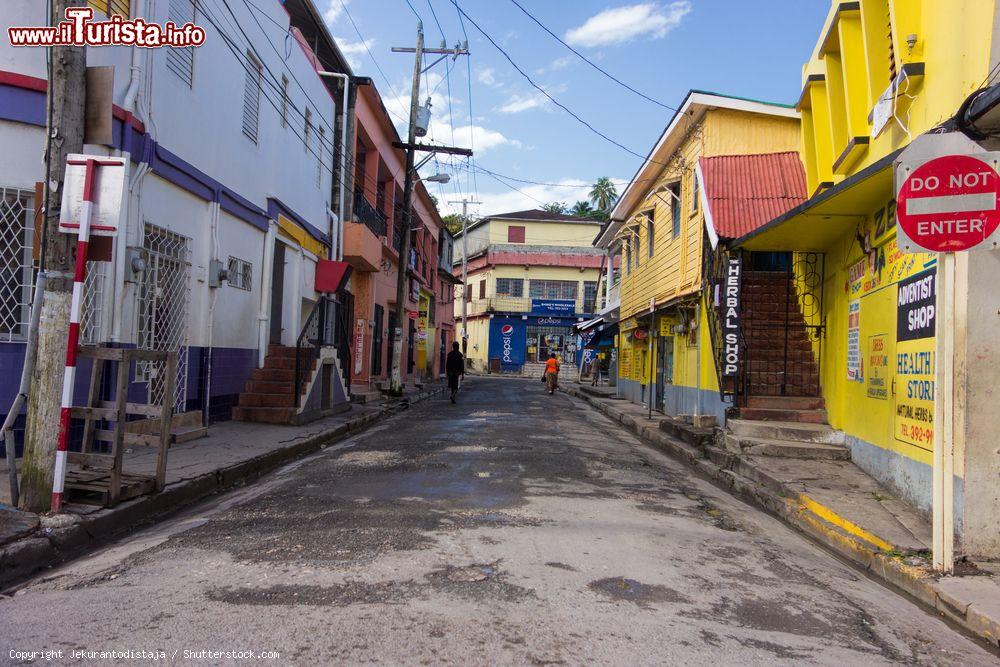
column 517, row 304
column 362, row 248
column 368, row 215
column 614, row 299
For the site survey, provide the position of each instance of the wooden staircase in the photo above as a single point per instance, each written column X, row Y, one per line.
column 269, row 395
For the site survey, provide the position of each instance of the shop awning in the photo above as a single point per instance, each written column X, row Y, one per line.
column 605, row 337
column 589, row 324
column 827, row 216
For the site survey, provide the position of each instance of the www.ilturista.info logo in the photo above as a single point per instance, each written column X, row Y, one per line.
column 79, row 29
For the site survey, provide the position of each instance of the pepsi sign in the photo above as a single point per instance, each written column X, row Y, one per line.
column 508, row 339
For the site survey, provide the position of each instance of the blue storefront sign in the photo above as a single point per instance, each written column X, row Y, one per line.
column 508, row 339
column 565, row 307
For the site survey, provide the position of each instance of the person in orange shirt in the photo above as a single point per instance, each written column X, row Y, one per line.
column 552, row 373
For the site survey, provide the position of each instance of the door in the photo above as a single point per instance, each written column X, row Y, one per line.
column 664, row 368
column 410, row 350
column 277, row 291
column 377, row 340
column 390, row 350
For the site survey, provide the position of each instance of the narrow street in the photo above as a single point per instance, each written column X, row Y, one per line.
column 511, row 528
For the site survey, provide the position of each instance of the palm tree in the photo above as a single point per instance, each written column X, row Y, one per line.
column 582, row 209
column 603, row 194
column 554, row 207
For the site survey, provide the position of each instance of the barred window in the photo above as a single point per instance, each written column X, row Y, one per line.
column 112, row 7
column 179, row 61
column 240, row 274
column 510, row 287
column 554, row 289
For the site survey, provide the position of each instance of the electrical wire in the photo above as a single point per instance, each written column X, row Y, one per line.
column 544, row 92
column 591, row 62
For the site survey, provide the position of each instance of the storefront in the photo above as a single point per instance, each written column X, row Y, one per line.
column 528, row 339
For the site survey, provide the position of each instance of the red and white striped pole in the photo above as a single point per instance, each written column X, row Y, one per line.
column 72, row 343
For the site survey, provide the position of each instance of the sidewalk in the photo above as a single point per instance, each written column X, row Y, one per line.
column 837, row 504
column 233, row 453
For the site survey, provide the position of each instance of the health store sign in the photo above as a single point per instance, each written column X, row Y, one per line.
column 915, row 372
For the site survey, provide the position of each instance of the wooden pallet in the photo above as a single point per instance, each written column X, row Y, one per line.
column 98, row 478
column 93, row 487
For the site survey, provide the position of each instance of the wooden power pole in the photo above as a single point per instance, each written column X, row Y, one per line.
column 396, row 378
column 64, row 131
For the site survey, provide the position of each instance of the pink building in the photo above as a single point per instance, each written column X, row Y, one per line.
column 372, row 241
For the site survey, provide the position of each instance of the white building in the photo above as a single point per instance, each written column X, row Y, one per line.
column 234, row 151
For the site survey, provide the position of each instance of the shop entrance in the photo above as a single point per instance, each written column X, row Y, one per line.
column 664, row 367
column 542, row 341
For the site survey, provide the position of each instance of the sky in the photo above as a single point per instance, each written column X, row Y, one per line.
column 661, row 48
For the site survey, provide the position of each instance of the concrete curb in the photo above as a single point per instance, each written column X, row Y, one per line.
column 738, row 475
column 62, row 537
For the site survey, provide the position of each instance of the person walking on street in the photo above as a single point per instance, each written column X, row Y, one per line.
column 552, row 373
column 454, row 367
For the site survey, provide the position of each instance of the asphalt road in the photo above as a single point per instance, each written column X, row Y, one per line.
column 512, row 528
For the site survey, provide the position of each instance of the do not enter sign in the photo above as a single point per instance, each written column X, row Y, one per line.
column 948, row 204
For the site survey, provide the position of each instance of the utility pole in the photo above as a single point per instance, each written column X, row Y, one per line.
column 465, row 271
column 402, row 275
column 66, row 99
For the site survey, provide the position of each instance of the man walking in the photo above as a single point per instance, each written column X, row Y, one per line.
column 552, row 373
column 454, row 367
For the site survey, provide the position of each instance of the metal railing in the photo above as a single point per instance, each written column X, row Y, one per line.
column 319, row 331
column 369, row 215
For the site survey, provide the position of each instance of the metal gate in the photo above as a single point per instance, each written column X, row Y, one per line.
column 16, row 271
column 163, row 310
column 781, row 319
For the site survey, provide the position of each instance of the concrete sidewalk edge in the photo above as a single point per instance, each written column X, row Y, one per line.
column 63, row 537
column 807, row 515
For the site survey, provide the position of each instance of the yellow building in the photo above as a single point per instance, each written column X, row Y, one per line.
column 882, row 73
column 532, row 276
column 657, row 233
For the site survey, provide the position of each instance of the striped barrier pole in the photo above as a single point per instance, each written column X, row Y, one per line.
column 72, row 343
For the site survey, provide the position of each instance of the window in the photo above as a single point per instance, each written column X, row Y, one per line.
column 637, row 249
column 628, row 256
column 284, row 101
column 240, row 274
column 554, row 289
column 515, row 234
column 111, row 7
column 307, row 130
column 321, row 152
column 589, row 295
column 650, row 233
column 675, row 208
column 694, row 193
column 482, row 289
column 510, row 287
column 179, row 61
column 251, row 98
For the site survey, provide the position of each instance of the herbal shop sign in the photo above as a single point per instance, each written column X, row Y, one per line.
column 948, row 204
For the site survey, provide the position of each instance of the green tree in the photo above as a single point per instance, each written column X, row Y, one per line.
column 582, row 208
column 555, row 207
column 453, row 221
column 603, row 194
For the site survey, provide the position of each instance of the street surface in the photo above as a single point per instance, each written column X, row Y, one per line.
column 514, row 527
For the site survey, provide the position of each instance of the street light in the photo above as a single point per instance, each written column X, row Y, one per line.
column 437, row 178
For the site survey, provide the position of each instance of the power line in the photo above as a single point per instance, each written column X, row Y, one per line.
column 548, row 96
column 591, row 62
column 415, row 12
column 472, row 124
column 434, row 14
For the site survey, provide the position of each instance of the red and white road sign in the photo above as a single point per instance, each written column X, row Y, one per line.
column 948, row 204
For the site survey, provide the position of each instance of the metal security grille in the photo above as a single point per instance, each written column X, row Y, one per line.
column 553, row 289
column 163, row 310
column 181, row 61
column 16, row 271
column 91, row 326
column 240, row 274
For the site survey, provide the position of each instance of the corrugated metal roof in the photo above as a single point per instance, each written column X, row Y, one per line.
column 747, row 191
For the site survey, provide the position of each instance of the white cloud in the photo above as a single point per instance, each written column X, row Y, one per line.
column 487, row 76
column 519, row 103
column 624, row 24
column 354, row 50
column 560, row 63
column 498, row 199
column 333, row 10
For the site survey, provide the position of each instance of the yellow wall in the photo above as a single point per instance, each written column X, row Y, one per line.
column 546, row 233
column 953, row 43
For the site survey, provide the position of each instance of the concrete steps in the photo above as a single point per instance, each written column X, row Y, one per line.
column 367, row 397
column 792, row 449
column 800, row 432
column 814, row 416
column 269, row 395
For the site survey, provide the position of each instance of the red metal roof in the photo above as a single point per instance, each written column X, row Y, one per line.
column 747, row 191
